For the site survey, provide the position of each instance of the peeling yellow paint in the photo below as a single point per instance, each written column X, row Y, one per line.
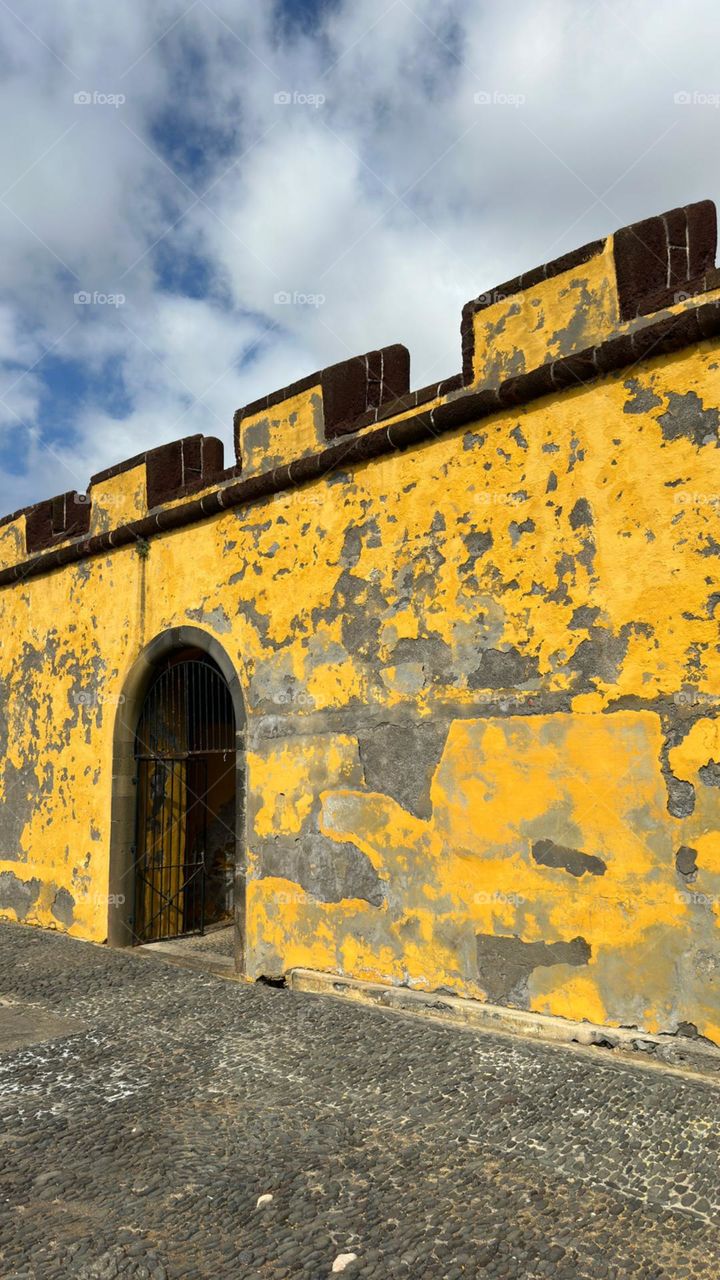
column 539, row 590
column 553, row 318
column 701, row 745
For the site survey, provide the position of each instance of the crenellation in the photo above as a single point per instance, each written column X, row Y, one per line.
column 357, row 387
column 668, row 254
column 669, row 334
column 179, row 468
column 553, row 327
column 55, row 520
column 340, row 399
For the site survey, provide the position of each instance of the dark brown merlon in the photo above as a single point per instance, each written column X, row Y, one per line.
column 56, row 519
column 184, row 464
column 212, row 461
column 666, row 298
column 171, row 471
column 363, row 385
column 668, row 254
column 350, row 389
column 412, row 400
column 658, row 262
column 671, row 334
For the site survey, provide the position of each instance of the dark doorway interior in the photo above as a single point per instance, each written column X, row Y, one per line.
column 186, row 780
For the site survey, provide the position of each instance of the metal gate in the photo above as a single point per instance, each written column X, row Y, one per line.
column 187, row 719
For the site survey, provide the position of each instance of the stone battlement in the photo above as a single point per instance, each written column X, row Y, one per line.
column 597, row 309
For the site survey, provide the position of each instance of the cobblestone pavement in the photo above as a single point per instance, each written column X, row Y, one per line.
column 136, row 1140
column 217, row 946
column 221, row 941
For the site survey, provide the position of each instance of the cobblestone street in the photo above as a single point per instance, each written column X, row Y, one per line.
column 156, row 1105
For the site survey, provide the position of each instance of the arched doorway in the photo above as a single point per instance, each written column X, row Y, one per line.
column 185, row 759
column 172, row 744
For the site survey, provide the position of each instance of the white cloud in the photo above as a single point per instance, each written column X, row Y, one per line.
column 396, row 200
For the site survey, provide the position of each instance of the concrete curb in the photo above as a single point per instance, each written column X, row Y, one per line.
column 678, row 1053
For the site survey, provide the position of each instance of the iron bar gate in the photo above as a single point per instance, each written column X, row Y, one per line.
column 187, row 719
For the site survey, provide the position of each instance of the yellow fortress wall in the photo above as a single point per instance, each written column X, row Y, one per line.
column 476, row 635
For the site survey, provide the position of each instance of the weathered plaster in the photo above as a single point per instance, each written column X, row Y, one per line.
column 482, row 685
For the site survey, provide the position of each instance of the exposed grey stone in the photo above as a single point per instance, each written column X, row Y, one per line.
column 215, row 618
column 505, row 963
column 400, row 760
column 328, row 870
column 429, row 651
column 600, row 656
column 18, row 895
column 686, row 860
column 503, row 669
column 473, row 440
column 581, row 515
column 476, row 543
column 63, row 907
column 687, row 416
column 642, row 398
column 549, row 854
column 517, row 530
column 584, row 617
column 681, row 796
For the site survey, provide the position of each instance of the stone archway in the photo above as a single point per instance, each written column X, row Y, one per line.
column 121, row 932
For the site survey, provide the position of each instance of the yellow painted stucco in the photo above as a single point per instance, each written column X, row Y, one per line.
column 556, row 317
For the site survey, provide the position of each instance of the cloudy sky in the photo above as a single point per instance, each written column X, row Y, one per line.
column 189, row 166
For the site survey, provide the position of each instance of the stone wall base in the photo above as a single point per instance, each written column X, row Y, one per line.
column 675, row 1052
